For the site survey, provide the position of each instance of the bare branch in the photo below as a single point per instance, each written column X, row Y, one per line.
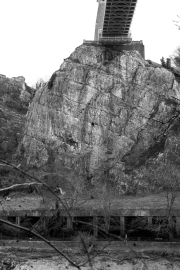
column 18, row 187
column 85, row 248
column 42, row 238
column 39, row 181
column 34, row 226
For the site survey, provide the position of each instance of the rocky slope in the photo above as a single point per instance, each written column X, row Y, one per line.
column 102, row 112
column 15, row 96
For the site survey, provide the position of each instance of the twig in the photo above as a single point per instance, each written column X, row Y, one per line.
column 97, row 253
column 34, row 226
column 85, row 248
column 16, row 186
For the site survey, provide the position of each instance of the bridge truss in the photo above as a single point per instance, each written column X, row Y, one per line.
column 118, row 17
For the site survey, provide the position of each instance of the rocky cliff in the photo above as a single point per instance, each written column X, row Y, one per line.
column 102, row 112
column 15, row 96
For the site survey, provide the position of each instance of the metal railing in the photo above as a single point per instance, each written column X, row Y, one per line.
column 120, row 39
column 94, row 42
column 113, row 39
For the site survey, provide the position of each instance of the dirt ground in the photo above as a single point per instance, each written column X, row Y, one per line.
column 34, row 261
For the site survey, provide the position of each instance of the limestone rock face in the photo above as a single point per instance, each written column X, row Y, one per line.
column 102, row 110
column 15, row 96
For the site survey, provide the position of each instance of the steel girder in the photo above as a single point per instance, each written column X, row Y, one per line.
column 118, row 17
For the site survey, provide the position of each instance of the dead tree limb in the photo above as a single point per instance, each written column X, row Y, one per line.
column 19, row 187
column 42, row 238
column 39, row 181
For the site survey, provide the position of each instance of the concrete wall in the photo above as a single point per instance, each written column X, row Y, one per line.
column 134, row 46
column 100, row 19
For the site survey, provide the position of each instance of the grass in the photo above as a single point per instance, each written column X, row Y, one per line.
column 34, row 202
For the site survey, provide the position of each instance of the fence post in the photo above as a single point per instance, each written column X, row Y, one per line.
column 69, row 223
column 122, row 226
column 149, row 222
column 107, row 223
column 18, row 220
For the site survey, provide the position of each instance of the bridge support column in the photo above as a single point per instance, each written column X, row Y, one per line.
column 150, row 222
column 69, row 223
column 95, row 226
column 100, row 19
column 107, row 223
column 18, row 221
column 122, row 226
column 178, row 226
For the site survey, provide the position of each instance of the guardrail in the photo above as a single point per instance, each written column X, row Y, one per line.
column 120, row 39
column 90, row 42
column 113, row 40
column 137, row 41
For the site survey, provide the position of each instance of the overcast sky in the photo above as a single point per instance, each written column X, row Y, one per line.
column 36, row 35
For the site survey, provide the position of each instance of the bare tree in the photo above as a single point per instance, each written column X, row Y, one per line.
column 177, row 22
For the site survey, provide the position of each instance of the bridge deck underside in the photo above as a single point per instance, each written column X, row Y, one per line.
column 118, row 17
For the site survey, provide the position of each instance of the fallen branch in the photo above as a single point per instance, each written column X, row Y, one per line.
column 19, row 187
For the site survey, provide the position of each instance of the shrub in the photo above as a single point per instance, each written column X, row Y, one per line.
column 51, row 80
column 86, row 242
